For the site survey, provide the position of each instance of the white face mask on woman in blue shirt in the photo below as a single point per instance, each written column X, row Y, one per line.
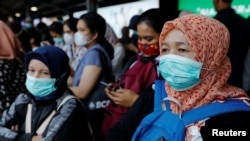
column 81, row 40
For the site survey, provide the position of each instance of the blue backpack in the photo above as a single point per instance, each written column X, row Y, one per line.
column 163, row 125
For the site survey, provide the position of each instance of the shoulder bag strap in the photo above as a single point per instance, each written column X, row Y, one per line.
column 210, row 110
column 160, row 94
column 45, row 123
column 214, row 109
column 106, row 71
column 28, row 119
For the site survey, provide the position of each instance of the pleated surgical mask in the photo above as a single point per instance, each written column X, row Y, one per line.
column 40, row 87
column 180, row 73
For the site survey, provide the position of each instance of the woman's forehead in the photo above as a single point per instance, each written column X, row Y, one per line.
column 175, row 35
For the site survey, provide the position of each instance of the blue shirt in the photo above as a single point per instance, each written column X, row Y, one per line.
column 92, row 57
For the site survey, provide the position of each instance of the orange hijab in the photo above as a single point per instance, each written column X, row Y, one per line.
column 209, row 40
column 10, row 46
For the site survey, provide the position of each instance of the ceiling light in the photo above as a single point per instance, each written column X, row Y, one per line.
column 18, row 14
column 34, row 8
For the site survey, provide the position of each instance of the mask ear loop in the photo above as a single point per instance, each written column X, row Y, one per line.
column 59, row 80
column 163, row 105
column 206, row 69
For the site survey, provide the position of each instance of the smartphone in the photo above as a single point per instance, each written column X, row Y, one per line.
column 104, row 83
column 110, row 87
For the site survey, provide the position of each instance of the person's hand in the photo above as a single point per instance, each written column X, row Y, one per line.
column 36, row 138
column 122, row 97
column 14, row 128
column 45, row 43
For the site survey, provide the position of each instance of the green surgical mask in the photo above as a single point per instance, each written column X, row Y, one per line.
column 40, row 88
column 180, row 73
column 58, row 40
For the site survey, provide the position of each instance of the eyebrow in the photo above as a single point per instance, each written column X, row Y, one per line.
column 31, row 67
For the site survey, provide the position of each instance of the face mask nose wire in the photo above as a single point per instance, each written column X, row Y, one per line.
column 163, row 105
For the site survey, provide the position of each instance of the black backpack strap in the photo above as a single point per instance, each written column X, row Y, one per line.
column 105, row 65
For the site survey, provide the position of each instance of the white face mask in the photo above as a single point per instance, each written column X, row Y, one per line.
column 80, row 39
column 68, row 38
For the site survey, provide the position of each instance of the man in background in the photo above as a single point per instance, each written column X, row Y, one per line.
column 239, row 29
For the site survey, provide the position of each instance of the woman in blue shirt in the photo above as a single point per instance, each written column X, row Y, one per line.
column 91, row 30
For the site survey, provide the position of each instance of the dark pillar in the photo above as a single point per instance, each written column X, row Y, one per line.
column 92, row 5
column 169, row 7
column 28, row 19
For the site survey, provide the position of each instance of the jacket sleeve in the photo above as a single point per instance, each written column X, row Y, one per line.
column 9, row 118
column 2, row 138
column 125, row 128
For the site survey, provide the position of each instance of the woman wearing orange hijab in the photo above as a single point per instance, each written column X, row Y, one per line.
column 195, row 68
column 12, row 74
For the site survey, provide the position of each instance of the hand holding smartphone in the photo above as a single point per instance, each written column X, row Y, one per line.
column 104, row 83
column 110, row 87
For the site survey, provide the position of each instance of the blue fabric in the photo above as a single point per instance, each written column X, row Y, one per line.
column 164, row 125
column 161, row 93
column 53, row 57
column 92, row 57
